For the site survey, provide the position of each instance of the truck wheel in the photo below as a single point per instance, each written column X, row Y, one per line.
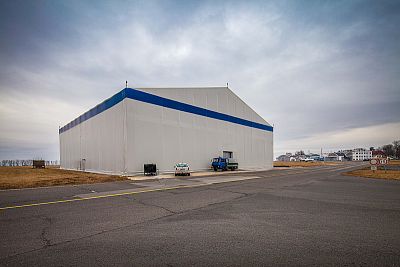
column 188, row 174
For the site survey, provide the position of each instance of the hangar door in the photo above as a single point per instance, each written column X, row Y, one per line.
column 227, row 154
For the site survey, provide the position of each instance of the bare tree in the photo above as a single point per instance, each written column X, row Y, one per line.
column 388, row 149
column 396, row 148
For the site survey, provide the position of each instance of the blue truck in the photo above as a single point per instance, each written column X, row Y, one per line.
column 224, row 164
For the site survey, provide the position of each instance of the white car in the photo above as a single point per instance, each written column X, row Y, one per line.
column 182, row 169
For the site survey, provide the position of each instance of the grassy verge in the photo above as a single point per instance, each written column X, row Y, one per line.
column 378, row 174
column 302, row 163
column 394, row 162
column 24, row 177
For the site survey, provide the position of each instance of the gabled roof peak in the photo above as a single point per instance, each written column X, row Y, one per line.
column 184, row 87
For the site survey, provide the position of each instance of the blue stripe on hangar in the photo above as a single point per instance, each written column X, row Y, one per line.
column 164, row 102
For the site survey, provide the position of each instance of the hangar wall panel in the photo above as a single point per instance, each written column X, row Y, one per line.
column 166, row 136
column 99, row 140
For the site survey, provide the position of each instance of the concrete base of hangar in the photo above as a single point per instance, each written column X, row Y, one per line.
column 141, row 177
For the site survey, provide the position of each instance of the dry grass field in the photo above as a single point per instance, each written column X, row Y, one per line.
column 302, row 163
column 24, row 177
column 378, row 174
column 394, row 162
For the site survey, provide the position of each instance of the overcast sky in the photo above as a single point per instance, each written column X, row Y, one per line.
column 325, row 73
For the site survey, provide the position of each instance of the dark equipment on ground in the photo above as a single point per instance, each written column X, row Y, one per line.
column 38, row 164
column 224, row 164
column 150, row 169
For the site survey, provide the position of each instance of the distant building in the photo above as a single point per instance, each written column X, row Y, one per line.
column 315, row 157
column 336, row 156
column 332, row 157
column 298, row 156
column 283, row 158
column 378, row 154
column 341, row 156
column 361, row 154
column 348, row 154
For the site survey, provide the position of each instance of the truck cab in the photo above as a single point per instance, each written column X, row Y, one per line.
column 224, row 164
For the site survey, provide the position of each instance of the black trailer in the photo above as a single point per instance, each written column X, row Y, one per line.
column 150, row 169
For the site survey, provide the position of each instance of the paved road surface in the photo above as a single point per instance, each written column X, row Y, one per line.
column 310, row 216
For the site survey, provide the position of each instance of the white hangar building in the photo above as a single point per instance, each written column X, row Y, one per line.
column 166, row 126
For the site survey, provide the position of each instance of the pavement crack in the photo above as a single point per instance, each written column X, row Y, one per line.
column 149, row 205
column 156, row 206
column 234, row 192
column 46, row 241
column 84, row 189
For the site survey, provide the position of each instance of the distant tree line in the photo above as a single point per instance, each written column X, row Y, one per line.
column 25, row 162
column 390, row 150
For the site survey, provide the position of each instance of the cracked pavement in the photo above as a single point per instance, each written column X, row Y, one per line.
column 310, row 216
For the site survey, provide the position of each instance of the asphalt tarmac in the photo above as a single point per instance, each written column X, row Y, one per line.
column 297, row 217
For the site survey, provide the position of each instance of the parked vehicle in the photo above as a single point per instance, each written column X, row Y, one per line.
column 150, row 169
column 318, row 158
column 224, row 164
column 182, row 169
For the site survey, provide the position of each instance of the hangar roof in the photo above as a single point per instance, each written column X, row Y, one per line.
column 184, row 94
column 174, row 98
